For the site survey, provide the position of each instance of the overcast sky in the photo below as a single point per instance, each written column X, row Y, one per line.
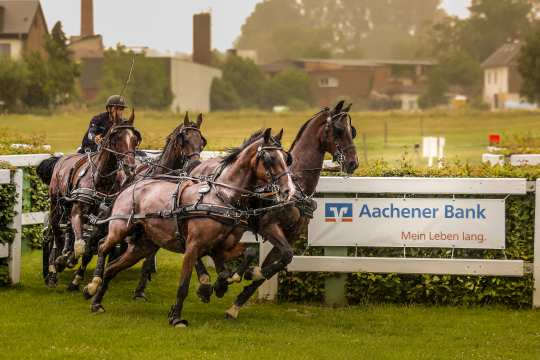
column 167, row 24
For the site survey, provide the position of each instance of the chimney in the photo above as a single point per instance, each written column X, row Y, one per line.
column 87, row 18
column 202, row 48
column 2, row 14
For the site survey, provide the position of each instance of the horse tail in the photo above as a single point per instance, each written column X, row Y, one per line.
column 45, row 169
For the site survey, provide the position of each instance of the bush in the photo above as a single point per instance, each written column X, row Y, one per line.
column 223, row 96
column 13, row 77
column 435, row 289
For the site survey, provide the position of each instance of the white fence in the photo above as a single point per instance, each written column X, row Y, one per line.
column 337, row 259
column 339, row 262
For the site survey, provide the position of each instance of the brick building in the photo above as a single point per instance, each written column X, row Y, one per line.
column 380, row 83
column 22, row 28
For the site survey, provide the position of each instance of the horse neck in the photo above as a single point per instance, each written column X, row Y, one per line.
column 238, row 174
column 105, row 164
column 168, row 160
column 308, row 156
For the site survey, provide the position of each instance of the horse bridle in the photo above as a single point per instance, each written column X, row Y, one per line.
column 120, row 156
column 187, row 157
column 339, row 153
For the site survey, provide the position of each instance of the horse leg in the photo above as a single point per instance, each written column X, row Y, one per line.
column 130, row 257
column 190, row 258
column 204, row 292
column 249, row 290
column 277, row 260
column 118, row 230
column 77, row 227
column 79, row 274
column 148, row 267
column 51, row 278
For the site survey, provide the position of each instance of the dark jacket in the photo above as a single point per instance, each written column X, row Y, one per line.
column 99, row 125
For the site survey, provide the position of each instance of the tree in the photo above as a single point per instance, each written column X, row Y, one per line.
column 13, row 77
column 223, row 96
column 345, row 28
column 37, row 92
column 529, row 65
column 287, row 86
column 62, row 69
column 246, row 78
column 149, row 86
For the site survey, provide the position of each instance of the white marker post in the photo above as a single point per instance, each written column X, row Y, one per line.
column 433, row 147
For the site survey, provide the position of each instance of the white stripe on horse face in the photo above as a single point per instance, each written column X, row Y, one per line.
column 290, row 183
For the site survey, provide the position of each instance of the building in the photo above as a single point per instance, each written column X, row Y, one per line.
column 382, row 84
column 22, row 28
column 502, row 81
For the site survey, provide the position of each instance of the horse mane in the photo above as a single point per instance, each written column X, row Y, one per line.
column 303, row 128
column 232, row 153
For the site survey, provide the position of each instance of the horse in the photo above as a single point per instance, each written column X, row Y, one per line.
column 78, row 184
column 328, row 131
column 182, row 151
column 195, row 217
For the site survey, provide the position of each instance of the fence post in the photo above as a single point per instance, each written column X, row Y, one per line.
column 268, row 290
column 334, row 286
column 14, row 260
column 536, row 264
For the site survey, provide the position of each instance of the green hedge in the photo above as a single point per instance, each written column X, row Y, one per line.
column 7, row 200
column 431, row 289
column 36, row 198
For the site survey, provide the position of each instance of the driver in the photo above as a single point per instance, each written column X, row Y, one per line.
column 100, row 124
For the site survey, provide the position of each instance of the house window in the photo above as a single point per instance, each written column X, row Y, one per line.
column 328, row 82
column 5, row 50
column 488, row 73
column 495, row 77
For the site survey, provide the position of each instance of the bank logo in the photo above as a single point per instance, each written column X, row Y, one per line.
column 338, row 212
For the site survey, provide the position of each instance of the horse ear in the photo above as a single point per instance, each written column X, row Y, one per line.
column 339, row 106
column 348, row 108
column 132, row 116
column 279, row 135
column 267, row 134
column 199, row 121
column 186, row 119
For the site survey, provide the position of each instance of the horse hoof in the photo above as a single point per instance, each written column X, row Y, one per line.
column 97, row 309
column 51, row 280
column 86, row 293
column 179, row 324
column 205, row 292
column 254, row 273
column 236, row 278
column 220, row 289
column 73, row 287
column 232, row 313
column 140, row 296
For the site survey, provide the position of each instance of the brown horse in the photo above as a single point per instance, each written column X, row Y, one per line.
column 182, row 151
column 329, row 131
column 193, row 217
column 79, row 183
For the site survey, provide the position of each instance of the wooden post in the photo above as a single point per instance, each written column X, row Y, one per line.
column 268, row 290
column 334, row 287
column 14, row 260
column 536, row 265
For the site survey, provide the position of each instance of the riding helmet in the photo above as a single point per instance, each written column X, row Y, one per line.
column 116, row 100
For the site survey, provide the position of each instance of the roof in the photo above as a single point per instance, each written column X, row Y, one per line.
column 370, row 62
column 18, row 16
column 506, row 55
column 280, row 65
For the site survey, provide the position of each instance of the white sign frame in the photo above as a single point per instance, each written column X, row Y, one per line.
column 409, row 222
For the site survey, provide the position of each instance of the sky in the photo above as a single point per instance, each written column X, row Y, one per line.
column 166, row 25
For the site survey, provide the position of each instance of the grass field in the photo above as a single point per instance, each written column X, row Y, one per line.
column 466, row 132
column 36, row 322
